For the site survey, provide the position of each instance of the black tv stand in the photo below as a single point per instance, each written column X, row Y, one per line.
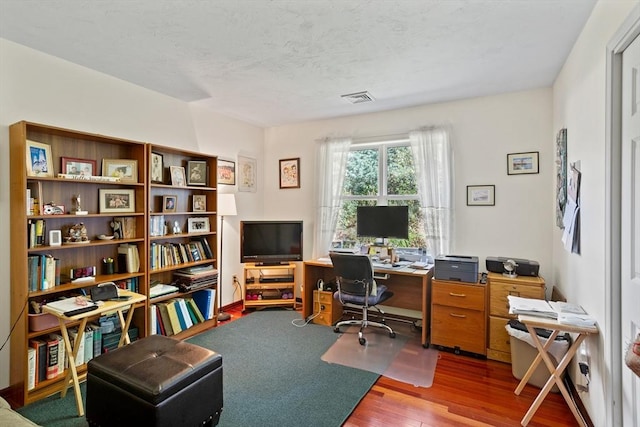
column 271, row 263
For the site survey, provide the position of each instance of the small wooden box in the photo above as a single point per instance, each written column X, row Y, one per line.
column 326, row 310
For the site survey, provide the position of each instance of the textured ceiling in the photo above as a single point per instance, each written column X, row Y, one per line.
column 273, row 62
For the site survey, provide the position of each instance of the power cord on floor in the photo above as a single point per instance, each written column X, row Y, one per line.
column 305, row 322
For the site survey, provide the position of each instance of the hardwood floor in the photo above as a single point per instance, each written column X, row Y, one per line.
column 466, row 392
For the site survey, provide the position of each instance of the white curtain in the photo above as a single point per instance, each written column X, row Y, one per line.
column 433, row 156
column 331, row 163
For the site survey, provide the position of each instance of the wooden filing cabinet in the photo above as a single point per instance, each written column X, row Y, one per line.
column 328, row 310
column 500, row 286
column 458, row 316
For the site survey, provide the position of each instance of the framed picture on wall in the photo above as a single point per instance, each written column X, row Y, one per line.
column 247, row 174
column 522, row 163
column 481, row 195
column 226, row 172
column 290, row 173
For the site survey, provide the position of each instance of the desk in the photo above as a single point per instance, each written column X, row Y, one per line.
column 411, row 290
column 532, row 322
column 106, row 307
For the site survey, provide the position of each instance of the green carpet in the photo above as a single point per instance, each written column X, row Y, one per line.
column 272, row 376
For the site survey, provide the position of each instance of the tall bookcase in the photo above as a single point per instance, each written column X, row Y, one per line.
column 37, row 154
column 181, row 216
column 48, row 164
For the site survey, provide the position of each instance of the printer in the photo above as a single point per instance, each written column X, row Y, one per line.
column 456, row 267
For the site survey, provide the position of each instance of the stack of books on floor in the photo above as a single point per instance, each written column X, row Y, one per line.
column 563, row 312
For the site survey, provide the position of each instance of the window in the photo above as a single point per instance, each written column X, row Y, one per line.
column 379, row 174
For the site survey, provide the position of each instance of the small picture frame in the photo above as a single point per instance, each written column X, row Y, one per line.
column 55, row 238
column 226, row 172
column 196, row 172
column 79, row 167
column 290, row 173
column 177, row 176
column 157, row 168
column 169, row 203
column 481, row 195
column 125, row 169
column 198, row 225
column 199, row 203
column 116, row 200
column 522, row 163
column 39, row 159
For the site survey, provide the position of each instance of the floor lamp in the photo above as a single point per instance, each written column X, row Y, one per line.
column 226, row 207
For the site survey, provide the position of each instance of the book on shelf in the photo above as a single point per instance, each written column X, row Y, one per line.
column 62, row 353
column 73, row 335
column 52, row 357
column 195, row 310
column 153, row 319
column 183, row 321
column 160, row 329
column 161, row 289
column 128, row 258
column 97, row 339
column 40, row 347
column 88, row 344
column 182, row 304
column 33, row 266
column 173, row 317
column 205, row 300
column 31, row 368
column 166, row 321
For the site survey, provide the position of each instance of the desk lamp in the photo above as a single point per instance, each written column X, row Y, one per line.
column 226, row 207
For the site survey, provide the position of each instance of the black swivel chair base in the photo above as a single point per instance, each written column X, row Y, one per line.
column 364, row 323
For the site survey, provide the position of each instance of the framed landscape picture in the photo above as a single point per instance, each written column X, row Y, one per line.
column 522, row 163
column 481, row 195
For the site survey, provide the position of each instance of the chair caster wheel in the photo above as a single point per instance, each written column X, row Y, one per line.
column 336, row 330
column 362, row 341
column 392, row 334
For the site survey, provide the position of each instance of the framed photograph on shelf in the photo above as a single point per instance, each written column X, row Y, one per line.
column 522, row 163
column 196, row 172
column 199, row 203
column 169, row 203
column 177, row 176
column 290, row 173
column 116, row 200
column 82, row 167
column 247, row 174
column 125, row 169
column 226, row 172
column 481, row 195
column 198, row 225
column 157, row 168
column 39, row 159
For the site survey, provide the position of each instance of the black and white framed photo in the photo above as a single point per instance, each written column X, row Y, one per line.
column 198, row 225
column 199, row 203
column 169, row 203
column 196, row 172
column 481, row 195
column 157, row 168
column 114, row 200
column 522, row 163
column 55, row 238
column 177, row 176
column 226, row 172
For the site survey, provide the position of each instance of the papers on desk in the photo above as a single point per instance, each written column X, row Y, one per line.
column 68, row 304
column 565, row 313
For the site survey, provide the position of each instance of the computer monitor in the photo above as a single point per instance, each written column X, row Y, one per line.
column 383, row 222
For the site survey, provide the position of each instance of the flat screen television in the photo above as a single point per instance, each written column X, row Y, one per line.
column 270, row 242
column 383, row 222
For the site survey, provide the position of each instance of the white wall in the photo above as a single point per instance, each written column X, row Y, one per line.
column 579, row 106
column 484, row 131
column 44, row 89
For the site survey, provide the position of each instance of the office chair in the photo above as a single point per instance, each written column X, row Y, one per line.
column 356, row 286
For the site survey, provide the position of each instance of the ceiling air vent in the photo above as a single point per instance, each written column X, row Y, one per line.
column 358, row 97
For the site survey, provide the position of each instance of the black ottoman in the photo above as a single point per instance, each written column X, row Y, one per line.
column 155, row 381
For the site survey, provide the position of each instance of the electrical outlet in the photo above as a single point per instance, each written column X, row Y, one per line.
column 235, row 278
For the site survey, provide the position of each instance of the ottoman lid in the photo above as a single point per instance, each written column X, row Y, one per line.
column 154, row 367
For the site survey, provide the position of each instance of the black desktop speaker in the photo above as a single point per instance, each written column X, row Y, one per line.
column 525, row 267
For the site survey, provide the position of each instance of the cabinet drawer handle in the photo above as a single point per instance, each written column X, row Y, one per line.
column 457, row 295
column 461, row 316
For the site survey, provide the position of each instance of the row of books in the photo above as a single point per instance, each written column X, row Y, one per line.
column 167, row 254
column 36, row 229
column 173, row 316
column 43, row 272
column 47, row 357
column 563, row 312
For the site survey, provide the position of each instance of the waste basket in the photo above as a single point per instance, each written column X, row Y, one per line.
column 523, row 352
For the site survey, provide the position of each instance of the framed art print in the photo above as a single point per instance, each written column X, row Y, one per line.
column 290, row 173
column 247, row 174
column 226, row 172
column 177, row 176
column 169, row 203
column 196, row 172
column 125, row 169
column 481, row 195
column 39, row 159
column 198, row 225
column 522, row 163
column 157, row 168
column 199, row 202
column 114, row 200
